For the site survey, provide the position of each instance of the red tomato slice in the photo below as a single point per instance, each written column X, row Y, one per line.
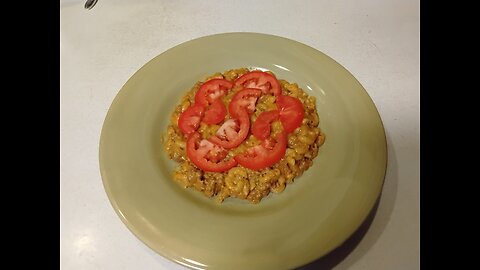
column 208, row 156
column 291, row 112
column 261, row 126
column 269, row 143
column 211, row 90
column 244, row 99
column 265, row 155
column 233, row 132
column 260, row 80
column 215, row 113
column 190, row 119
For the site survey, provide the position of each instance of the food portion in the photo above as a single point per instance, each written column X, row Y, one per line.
column 243, row 134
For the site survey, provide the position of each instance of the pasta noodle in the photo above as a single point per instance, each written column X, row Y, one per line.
column 239, row 182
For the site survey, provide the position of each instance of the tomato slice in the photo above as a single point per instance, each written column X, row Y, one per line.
column 265, row 155
column 215, row 113
column 260, row 80
column 261, row 126
column 244, row 99
column 233, row 132
column 189, row 120
column 211, row 90
column 208, row 156
column 291, row 112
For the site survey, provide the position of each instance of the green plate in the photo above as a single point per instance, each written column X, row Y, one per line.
column 310, row 218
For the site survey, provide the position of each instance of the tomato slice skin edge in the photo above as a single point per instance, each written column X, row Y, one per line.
column 291, row 112
column 258, row 75
column 244, row 120
column 201, row 162
column 215, row 113
column 189, row 120
column 263, row 158
column 261, row 126
column 219, row 86
column 241, row 100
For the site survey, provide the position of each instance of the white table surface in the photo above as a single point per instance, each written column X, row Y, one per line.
column 376, row 40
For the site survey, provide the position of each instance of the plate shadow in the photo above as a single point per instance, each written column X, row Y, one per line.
column 387, row 198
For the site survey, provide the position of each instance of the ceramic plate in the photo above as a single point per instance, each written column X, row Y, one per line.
column 315, row 214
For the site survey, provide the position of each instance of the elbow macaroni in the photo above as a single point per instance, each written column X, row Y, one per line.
column 239, row 182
